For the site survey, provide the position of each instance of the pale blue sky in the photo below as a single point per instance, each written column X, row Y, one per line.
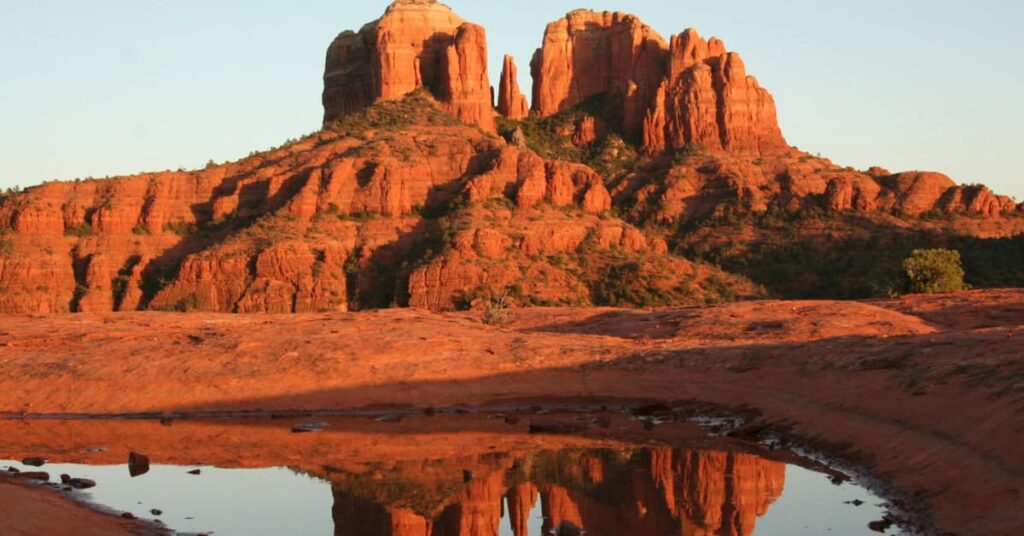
column 122, row 86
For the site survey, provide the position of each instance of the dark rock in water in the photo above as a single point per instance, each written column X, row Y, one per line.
column 467, row 476
column 65, row 479
column 838, row 479
column 33, row 475
column 128, row 515
column 855, row 502
column 649, row 425
column 309, row 427
column 34, row 462
column 81, row 483
column 156, row 512
column 196, row 472
column 751, row 432
column 881, row 525
column 166, row 421
column 651, row 409
column 557, row 427
column 512, row 419
column 430, row 412
column 138, row 464
column 568, row 529
column 13, row 470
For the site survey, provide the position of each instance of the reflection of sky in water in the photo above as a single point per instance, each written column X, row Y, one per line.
column 225, row 501
column 279, row 501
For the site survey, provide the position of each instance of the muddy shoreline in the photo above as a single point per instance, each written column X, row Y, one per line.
column 924, row 393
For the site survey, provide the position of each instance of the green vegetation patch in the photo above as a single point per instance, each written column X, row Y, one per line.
column 551, row 138
column 814, row 254
column 81, row 231
column 415, row 109
column 932, row 271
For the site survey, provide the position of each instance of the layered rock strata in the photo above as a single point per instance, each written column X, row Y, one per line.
column 416, row 44
column 669, row 95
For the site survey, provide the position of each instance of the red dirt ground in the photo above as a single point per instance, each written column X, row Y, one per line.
column 926, row 391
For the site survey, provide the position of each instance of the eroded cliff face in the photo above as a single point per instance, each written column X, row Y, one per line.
column 709, row 100
column 590, row 53
column 704, row 185
column 416, row 44
column 511, row 101
column 668, row 95
column 426, row 211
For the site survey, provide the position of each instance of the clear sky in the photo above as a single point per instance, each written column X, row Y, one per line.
column 122, row 86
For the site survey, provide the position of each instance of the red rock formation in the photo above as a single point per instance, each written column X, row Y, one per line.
column 589, row 53
column 690, row 91
column 464, row 85
column 589, row 130
column 708, row 100
column 511, row 102
column 708, row 183
column 416, row 44
column 351, row 219
column 534, row 181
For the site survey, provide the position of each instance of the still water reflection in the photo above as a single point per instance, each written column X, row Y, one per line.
column 483, row 484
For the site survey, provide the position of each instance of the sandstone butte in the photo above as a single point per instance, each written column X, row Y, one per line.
column 407, row 197
column 416, row 44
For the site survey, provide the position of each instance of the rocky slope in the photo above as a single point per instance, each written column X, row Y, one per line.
column 599, row 195
column 399, row 204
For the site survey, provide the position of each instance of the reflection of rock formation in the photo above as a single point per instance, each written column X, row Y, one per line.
column 652, row 492
column 353, row 515
column 521, row 500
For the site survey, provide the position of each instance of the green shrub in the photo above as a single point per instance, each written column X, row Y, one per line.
column 181, row 228
column 6, row 247
column 629, row 284
column 416, row 108
column 80, row 231
column 931, row 271
column 496, row 312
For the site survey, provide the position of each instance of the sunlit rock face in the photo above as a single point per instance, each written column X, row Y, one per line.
column 687, row 91
column 416, row 44
column 646, row 492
